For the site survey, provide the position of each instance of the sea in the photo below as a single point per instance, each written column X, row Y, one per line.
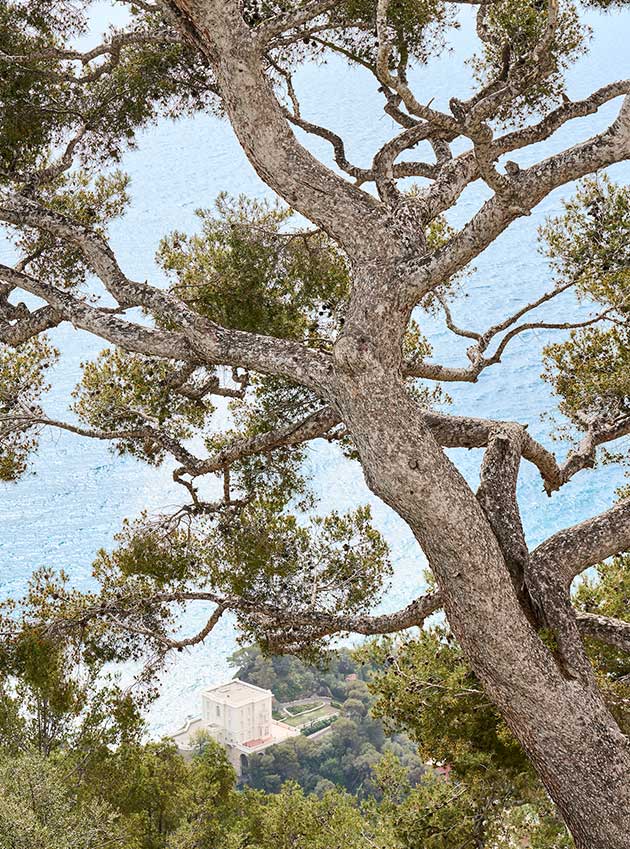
column 78, row 492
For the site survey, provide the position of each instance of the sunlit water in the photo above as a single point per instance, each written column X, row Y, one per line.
column 79, row 492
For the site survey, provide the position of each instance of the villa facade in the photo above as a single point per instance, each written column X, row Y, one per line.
column 237, row 715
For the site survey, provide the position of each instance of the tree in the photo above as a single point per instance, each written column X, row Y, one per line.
column 164, row 801
column 291, row 819
column 38, row 809
column 321, row 331
column 480, row 787
column 55, row 688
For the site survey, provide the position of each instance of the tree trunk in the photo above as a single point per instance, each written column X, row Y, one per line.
column 562, row 723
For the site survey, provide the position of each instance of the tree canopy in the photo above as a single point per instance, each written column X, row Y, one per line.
column 308, row 318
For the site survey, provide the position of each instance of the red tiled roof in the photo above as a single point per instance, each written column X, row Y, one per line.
column 252, row 744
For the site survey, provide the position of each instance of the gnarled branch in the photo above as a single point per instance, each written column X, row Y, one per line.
column 573, row 550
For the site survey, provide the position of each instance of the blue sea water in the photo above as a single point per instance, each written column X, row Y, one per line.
column 79, row 492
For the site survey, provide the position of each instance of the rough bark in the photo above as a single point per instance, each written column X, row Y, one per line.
column 580, row 754
column 574, row 549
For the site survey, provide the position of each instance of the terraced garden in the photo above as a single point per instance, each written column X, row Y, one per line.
column 307, row 713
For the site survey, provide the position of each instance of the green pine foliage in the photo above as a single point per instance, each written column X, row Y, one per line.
column 589, row 246
column 23, row 373
column 248, row 268
column 131, row 394
column 149, row 79
column 512, row 29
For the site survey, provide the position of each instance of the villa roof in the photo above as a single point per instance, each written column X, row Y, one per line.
column 259, row 741
column 236, row 693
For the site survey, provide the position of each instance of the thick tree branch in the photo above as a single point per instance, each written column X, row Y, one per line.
column 315, row 425
column 199, row 338
column 597, row 433
column 464, row 169
column 558, row 117
column 471, row 432
column 16, row 329
column 102, row 322
column 338, row 207
column 613, row 632
column 540, row 590
column 573, row 550
column 497, row 497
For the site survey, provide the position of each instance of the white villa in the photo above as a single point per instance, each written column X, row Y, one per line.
column 237, row 715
